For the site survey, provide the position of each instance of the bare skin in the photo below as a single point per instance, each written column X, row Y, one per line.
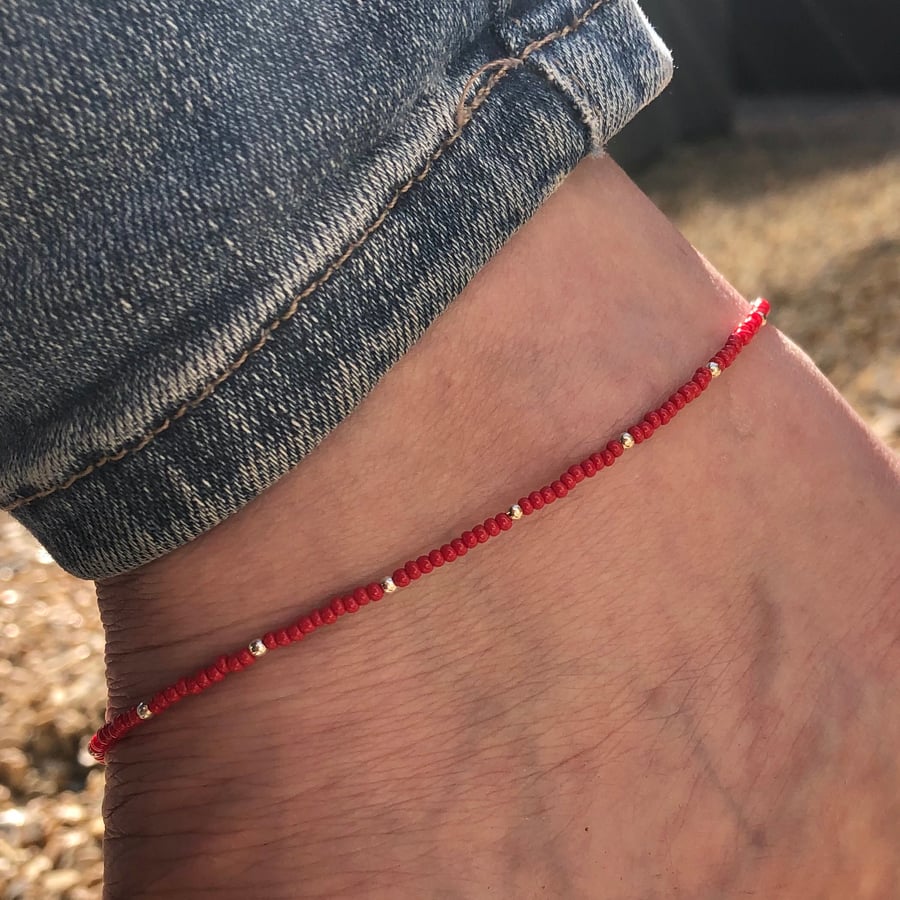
column 681, row 681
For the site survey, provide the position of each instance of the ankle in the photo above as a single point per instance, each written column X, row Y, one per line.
column 479, row 709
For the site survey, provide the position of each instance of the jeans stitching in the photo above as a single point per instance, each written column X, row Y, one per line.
column 464, row 113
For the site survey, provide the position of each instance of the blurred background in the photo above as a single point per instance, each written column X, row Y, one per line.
column 776, row 151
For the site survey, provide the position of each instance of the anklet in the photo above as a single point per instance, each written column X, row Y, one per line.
column 119, row 726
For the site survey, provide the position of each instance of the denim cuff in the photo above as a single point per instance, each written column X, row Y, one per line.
column 135, row 426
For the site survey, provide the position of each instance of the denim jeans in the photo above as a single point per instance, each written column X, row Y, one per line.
column 221, row 223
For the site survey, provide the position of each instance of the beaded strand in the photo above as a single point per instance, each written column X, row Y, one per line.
column 119, row 726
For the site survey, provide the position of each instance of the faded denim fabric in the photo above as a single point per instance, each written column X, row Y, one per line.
column 221, row 223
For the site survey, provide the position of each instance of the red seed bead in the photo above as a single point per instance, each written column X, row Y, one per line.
column 350, row 604
column 328, row 616
column 234, row 664
column 569, row 480
column 664, row 417
column 269, row 640
column 294, row 632
column 424, row 564
column 181, row 687
column 448, row 553
column 481, row 534
column 654, row 418
column 597, row 460
column 413, row 570
column 203, row 680
column 616, row 448
column 374, row 591
column 337, row 606
column 159, row 701
column 577, row 472
column 647, row 429
column 526, row 506
column 559, row 489
column 637, row 434
column 222, row 663
column 172, row 695
column 678, row 400
column 492, row 526
column 246, row 657
column 548, row 494
column 608, row 457
column 361, row 596
column 588, row 467
column 401, row 578
column 437, row 558
column 282, row 637
column 504, row 521
column 192, row 686
column 537, row 499
column 469, row 539
column 314, row 617
column 459, row 545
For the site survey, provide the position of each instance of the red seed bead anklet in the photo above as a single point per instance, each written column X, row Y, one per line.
column 118, row 727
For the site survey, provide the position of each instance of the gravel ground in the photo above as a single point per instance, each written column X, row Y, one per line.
column 803, row 205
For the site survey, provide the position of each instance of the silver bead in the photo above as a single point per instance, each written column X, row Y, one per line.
column 714, row 369
column 765, row 318
column 144, row 711
column 515, row 511
column 257, row 647
column 627, row 440
column 388, row 585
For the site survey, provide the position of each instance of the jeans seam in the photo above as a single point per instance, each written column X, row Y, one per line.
column 499, row 68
